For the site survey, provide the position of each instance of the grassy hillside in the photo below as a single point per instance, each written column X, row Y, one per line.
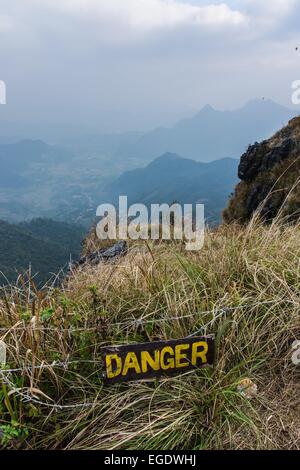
column 43, row 244
column 247, row 282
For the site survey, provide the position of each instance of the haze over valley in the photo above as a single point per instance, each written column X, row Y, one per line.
column 66, row 181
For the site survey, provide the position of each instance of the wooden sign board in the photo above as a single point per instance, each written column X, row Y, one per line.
column 147, row 360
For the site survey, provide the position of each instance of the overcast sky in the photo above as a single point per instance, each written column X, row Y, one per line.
column 117, row 65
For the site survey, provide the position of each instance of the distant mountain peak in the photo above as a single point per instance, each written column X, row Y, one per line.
column 208, row 107
column 213, row 134
column 262, row 102
column 169, row 156
column 166, row 160
column 172, row 178
column 32, row 144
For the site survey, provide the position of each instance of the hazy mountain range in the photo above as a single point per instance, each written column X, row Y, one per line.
column 171, row 178
column 69, row 180
column 208, row 135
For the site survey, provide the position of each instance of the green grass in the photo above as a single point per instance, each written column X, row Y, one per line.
column 254, row 268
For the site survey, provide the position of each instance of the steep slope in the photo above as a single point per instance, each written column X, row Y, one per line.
column 171, row 178
column 212, row 134
column 234, row 288
column 43, row 244
column 270, row 174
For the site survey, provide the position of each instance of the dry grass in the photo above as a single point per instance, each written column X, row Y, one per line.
column 255, row 269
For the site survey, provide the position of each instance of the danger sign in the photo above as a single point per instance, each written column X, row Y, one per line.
column 146, row 360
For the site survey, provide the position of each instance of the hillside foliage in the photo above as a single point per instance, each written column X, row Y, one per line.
column 43, row 245
column 243, row 287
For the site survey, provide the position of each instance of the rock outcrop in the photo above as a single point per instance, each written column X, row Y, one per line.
column 270, row 178
column 105, row 254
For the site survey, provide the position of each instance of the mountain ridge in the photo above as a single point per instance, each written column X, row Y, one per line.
column 69, row 182
column 195, row 137
column 171, row 177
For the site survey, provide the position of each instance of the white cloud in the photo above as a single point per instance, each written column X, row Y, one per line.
column 269, row 13
column 6, row 24
column 149, row 15
column 83, row 57
column 274, row 7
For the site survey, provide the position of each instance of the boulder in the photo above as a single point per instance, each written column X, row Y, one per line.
column 103, row 255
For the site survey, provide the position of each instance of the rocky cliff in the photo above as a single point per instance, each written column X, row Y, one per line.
column 270, row 178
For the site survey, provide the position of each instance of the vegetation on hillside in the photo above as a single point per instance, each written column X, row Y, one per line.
column 43, row 245
column 246, row 280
